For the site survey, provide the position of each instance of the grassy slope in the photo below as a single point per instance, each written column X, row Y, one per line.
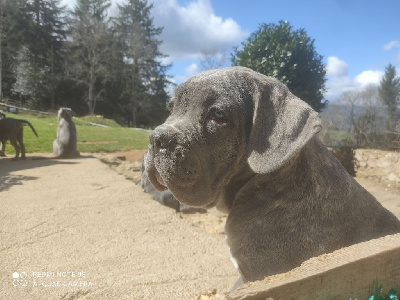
column 89, row 136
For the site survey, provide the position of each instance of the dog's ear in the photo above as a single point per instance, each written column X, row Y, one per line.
column 282, row 125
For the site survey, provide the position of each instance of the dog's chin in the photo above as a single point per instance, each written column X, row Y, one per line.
column 196, row 196
column 183, row 177
column 195, row 192
column 189, row 190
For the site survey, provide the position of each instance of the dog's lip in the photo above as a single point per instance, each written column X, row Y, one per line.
column 186, row 180
column 155, row 178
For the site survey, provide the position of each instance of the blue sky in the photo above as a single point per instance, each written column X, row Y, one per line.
column 357, row 38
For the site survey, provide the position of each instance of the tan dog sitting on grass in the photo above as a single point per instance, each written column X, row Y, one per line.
column 65, row 144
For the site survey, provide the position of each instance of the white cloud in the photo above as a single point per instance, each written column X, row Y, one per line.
column 336, row 67
column 337, row 72
column 336, row 86
column 393, row 44
column 339, row 80
column 369, row 77
column 191, row 70
column 189, row 29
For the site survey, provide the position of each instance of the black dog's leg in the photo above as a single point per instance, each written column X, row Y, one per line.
column 3, row 146
column 20, row 139
column 16, row 147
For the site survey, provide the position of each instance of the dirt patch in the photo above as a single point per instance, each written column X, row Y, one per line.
column 132, row 155
column 127, row 163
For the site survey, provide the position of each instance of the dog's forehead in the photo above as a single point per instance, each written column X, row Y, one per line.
column 203, row 92
column 192, row 95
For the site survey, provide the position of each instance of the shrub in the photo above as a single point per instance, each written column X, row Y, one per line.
column 346, row 157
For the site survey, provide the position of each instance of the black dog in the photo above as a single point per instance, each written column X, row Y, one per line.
column 13, row 130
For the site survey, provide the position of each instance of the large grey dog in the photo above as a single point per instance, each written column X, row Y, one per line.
column 243, row 142
column 65, row 144
column 13, row 130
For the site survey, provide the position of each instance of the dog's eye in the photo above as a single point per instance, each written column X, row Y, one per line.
column 218, row 116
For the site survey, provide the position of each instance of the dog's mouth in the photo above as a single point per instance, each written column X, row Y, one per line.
column 155, row 178
column 182, row 169
column 172, row 170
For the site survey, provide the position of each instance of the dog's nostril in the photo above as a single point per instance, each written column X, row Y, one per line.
column 162, row 140
column 163, row 143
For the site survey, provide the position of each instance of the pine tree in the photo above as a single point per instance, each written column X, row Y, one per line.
column 389, row 92
column 145, row 76
column 15, row 27
column 32, row 30
column 46, row 46
column 96, row 9
column 1, row 41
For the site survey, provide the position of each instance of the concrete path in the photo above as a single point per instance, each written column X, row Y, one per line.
column 75, row 229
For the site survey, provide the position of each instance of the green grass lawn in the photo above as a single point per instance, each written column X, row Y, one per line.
column 90, row 138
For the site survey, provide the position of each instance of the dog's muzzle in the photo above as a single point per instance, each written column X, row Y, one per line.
column 170, row 163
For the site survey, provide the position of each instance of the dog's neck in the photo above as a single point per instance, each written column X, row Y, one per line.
column 233, row 188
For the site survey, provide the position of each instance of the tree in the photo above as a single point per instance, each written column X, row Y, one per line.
column 22, row 73
column 89, row 49
column 47, row 44
column 1, row 40
column 15, row 27
column 211, row 58
column 45, row 36
column 389, row 92
column 96, row 9
column 370, row 121
column 290, row 56
column 32, row 29
column 31, row 80
column 351, row 98
column 145, row 76
column 364, row 119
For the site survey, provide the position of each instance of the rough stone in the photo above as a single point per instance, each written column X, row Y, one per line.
column 393, row 177
column 381, row 166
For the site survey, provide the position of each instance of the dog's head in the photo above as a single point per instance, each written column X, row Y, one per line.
column 224, row 123
column 65, row 113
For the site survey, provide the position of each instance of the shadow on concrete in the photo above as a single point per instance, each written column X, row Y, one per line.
column 9, row 166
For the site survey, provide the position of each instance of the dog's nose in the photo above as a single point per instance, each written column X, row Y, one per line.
column 161, row 140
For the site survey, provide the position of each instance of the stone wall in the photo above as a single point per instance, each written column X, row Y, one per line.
column 380, row 166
